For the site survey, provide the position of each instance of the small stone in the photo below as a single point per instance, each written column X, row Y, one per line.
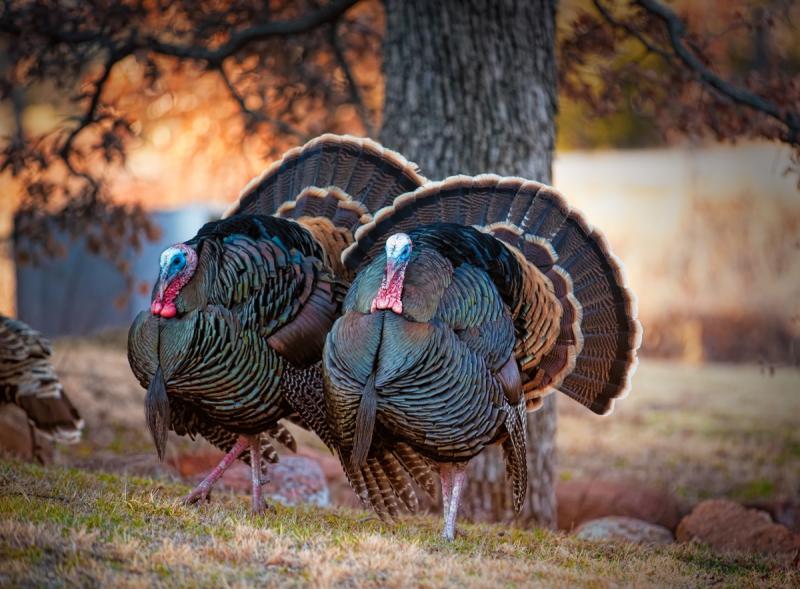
column 582, row 500
column 295, row 480
column 624, row 529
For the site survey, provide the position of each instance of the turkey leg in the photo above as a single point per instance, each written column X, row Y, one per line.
column 454, row 477
column 446, row 477
column 202, row 490
column 255, row 476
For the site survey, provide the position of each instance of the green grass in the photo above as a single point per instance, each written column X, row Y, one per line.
column 64, row 527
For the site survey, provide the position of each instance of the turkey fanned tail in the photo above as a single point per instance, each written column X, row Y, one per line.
column 361, row 168
column 574, row 314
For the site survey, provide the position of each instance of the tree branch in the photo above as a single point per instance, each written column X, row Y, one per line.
column 237, row 41
column 259, row 32
column 88, row 117
column 677, row 36
column 609, row 18
column 260, row 117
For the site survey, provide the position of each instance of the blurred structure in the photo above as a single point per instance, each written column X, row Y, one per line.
column 709, row 234
column 82, row 292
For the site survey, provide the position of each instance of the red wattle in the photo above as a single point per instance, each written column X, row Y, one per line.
column 155, row 307
column 390, row 293
column 168, row 311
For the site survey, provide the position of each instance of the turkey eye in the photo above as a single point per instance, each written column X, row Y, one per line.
column 175, row 261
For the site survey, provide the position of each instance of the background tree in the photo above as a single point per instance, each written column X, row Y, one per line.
column 470, row 87
column 472, row 90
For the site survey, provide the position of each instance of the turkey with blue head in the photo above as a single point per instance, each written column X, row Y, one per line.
column 233, row 338
column 474, row 298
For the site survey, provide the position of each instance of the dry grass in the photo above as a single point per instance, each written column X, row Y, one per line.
column 699, row 431
column 64, row 527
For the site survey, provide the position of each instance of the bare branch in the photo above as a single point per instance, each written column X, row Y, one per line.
column 259, row 32
column 677, row 37
column 355, row 91
column 609, row 18
column 88, row 118
column 258, row 116
column 238, row 40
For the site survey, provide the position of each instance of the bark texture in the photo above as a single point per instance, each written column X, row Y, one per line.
column 471, row 88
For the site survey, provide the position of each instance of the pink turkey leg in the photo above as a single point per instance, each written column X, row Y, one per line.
column 202, row 490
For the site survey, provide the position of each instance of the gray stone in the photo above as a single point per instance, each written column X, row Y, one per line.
column 624, row 529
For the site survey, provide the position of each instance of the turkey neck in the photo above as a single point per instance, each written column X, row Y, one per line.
column 390, row 293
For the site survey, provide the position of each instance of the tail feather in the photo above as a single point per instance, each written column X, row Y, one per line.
column 399, row 480
column 329, row 186
column 374, row 496
column 514, row 451
column 303, row 391
column 385, row 488
column 585, row 343
column 417, row 466
column 282, row 435
column 365, row 170
column 501, row 201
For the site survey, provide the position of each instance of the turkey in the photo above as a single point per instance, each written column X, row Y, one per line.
column 233, row 338
column 474, row 298
column 28, row 380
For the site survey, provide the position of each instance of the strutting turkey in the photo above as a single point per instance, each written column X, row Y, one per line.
column 27, row 379
column 474, row 298
column 234, row 335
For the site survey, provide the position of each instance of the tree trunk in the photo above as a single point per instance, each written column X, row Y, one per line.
column 471, row 88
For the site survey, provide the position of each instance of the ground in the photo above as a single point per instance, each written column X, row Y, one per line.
column 108, row 514
column 65, row 527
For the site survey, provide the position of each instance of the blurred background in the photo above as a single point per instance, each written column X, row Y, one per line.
column 701, row 203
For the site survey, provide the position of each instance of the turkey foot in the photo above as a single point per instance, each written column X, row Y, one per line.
column 202, row 491
column 454, row 477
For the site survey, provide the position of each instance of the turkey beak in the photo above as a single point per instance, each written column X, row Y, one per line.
column 163, row 281
column 158, row 302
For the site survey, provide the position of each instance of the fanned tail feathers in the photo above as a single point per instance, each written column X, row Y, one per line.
column 576, row 319
column 361, row 168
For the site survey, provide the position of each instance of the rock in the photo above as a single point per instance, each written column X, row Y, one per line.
column 15, row 436
column 579, row 501
column 295, row 480
column 195, row 465
column 624, row 529
column 329, row 464
column 783, row 511
column 292, row 481
column 727, row 526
